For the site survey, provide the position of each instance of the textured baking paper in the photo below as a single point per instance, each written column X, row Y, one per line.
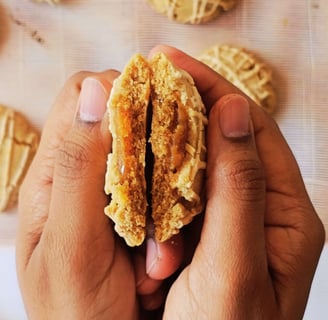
column 41, row 46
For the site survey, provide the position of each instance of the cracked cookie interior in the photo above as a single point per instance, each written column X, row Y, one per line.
column 125, row 178
column 178, row 145
column 155, row 182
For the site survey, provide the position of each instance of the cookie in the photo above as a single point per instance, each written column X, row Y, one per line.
column 18, row 145
column 178, row 146
column 125, row 177
column 246, row 71
column 192, row 11
column 155, row 171
column 48, row 1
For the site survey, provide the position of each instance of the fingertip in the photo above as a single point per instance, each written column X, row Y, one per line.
column 163, row 258
column 144, row 284
column 234, row 116
column 162, row 48
column 92, row 100
column 154, row 300
column 178, row 57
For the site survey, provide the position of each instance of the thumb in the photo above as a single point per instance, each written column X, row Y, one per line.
column 233, row 231
column 78, row 199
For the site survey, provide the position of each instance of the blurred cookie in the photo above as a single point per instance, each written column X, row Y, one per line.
column 18, row 145
column 246, row 71
column 192, row 11
column 49, row 1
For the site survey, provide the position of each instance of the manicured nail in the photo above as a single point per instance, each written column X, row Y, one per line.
column 93, row 100
column 151, row 255
column 234, row 116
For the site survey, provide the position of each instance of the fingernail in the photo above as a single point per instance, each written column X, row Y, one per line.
column 151, row 255
column 93, row 100
column 234, row 116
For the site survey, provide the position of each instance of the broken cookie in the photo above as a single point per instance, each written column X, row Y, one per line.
column 246, row 71
column 18, row 144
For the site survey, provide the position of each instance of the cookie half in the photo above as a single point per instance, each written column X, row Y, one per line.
column 178, row 146
column 18, row 144
column 246, row 71
column 192, row 11
column 125, row 177
column 48, row 1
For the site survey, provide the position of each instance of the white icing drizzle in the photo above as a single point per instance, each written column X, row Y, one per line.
column 243, row 70
column 192, row 11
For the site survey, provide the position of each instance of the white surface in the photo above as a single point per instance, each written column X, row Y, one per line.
column 100, row 34
column 11, row 305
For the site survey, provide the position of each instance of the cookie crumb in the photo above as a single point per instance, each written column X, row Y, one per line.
column 33, row 33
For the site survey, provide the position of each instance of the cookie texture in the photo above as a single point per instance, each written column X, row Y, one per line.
column 125, row 177
column 18, row 145
column 192, row 11
column 246, row 71
column 48, row 1
column 155, row 171
column 178, row 145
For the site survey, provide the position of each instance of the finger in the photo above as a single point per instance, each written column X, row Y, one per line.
column 163, row 258
column 153, row 301
column 233, row 231
column 62, row 114
column 156, row 263
column 36, row 190
column 144, row 284
column 78, row 199
column 59, row 122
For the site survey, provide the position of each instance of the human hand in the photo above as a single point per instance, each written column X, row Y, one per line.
column 261, row 237
column 70, row 263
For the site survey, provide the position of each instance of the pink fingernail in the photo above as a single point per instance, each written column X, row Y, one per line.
column 234, row 116
column 151, row 255
column 93, row 100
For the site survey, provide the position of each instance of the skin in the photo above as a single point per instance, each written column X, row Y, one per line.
column 252, row 255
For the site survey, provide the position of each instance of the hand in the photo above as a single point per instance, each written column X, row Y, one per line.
column 70, row 263
column 261, row 237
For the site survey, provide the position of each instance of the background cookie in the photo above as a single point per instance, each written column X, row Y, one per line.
column 18, row 145
column 245, row 71
column 49, row 1
column 192, row 11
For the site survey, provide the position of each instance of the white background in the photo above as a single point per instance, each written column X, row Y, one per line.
column 291, row 36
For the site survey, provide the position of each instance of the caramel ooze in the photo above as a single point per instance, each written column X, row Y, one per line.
column 177, row 141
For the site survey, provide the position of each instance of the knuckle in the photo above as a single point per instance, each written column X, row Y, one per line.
column 308, row 223
column 77, row 77
column 244, row 179
column 114, row 71
column 319, row 233
column 72, row 160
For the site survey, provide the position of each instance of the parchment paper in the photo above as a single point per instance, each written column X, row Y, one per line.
column 42, row 45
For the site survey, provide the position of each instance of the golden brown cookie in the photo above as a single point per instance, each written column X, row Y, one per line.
column 246, row 71
column 48, row 1
column 156, row 180
column 125, row 177
column 192, row 11
column 18, row 145
column 178, row 145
